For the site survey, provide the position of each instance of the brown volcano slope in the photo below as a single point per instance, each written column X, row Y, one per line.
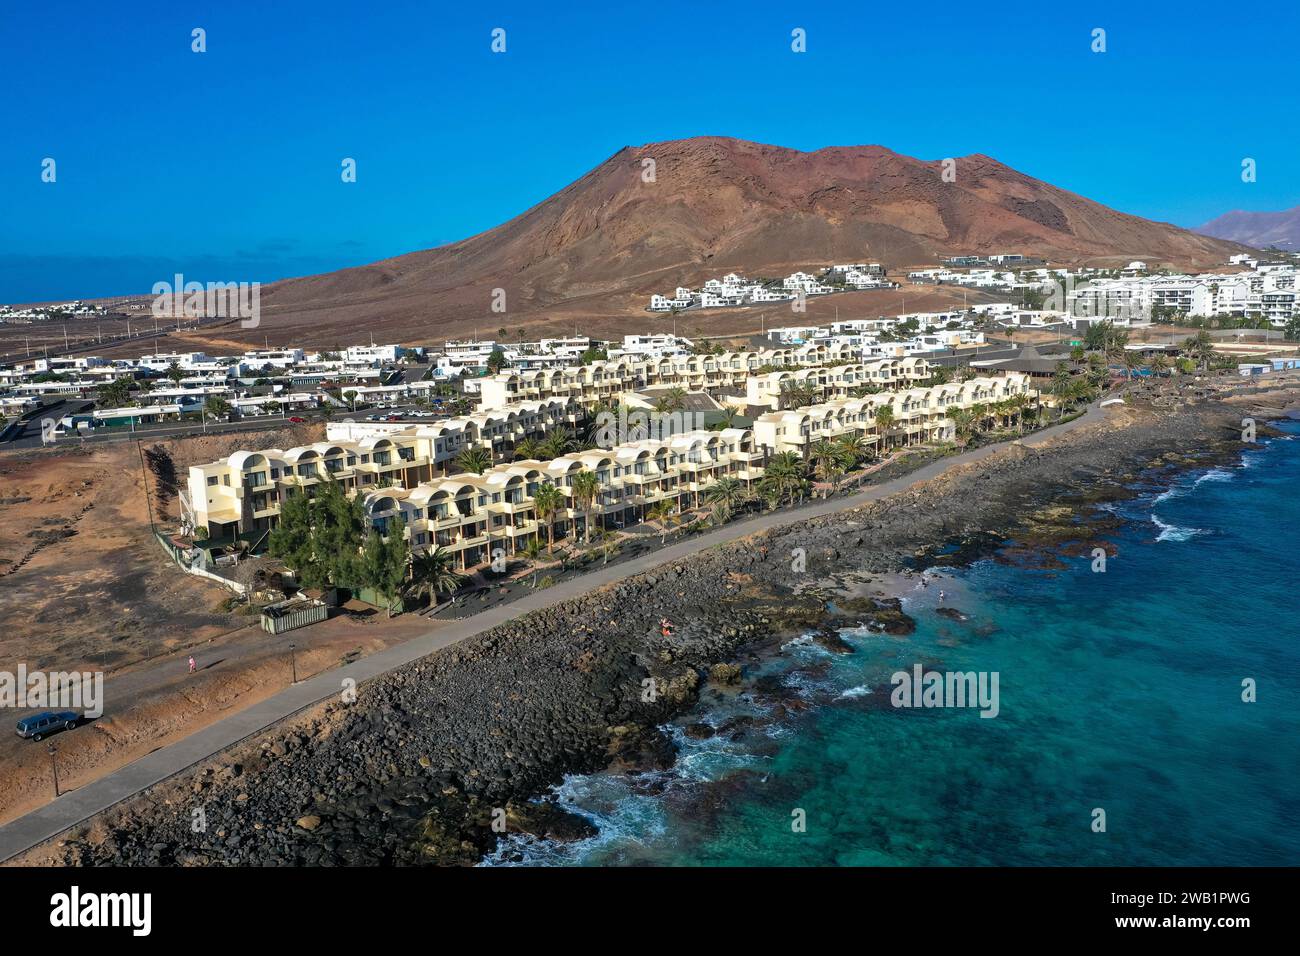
column 598, row 248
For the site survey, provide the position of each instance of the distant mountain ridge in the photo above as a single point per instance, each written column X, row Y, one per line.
column 1261, row 230
column 602, row 244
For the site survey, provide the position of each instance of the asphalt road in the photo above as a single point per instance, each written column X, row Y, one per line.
column 78, row 805
column 30, row 436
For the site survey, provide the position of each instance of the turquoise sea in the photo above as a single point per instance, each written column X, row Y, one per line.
column 1120, row 691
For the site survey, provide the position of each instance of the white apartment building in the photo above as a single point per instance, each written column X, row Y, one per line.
column 605, row 381
column 469, row 515
column 162, row 361
column 476, row 517
column 808, row 285
column 241, row 494
column 769, row 389
column 372, row 354
column 794, row 334
column 1233, row 294
column 276, row 358
column 919, row 415
column 661, row 303
column 471, row 353
column 652, row 346
column 571, row 346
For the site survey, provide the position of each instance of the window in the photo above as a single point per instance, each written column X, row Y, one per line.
column 212, row 480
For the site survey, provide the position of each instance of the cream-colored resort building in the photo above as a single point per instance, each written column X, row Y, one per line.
column 410, row 471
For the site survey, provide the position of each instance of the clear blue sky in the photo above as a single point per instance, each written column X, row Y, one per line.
column 226, row 164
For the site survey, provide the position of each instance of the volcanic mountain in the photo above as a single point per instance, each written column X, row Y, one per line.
column 598, row 248
column 1262, row 230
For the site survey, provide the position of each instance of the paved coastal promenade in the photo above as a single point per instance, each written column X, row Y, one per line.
column 79, row 805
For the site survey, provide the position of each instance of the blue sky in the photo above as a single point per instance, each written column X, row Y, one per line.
column 225, row 164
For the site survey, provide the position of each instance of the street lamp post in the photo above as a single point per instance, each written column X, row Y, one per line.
column 54, row 765
column 293, row 661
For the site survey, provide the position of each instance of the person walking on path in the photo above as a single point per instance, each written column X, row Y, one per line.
column 193, row 666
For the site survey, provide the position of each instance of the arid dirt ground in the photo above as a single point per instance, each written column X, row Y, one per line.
column 600, row 317
column 94, row 591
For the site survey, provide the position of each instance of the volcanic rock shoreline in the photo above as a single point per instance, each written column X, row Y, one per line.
column 432, row 762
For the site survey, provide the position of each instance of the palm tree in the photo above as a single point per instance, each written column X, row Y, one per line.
column 1132, row 362
column 833, row 472
column 785, row 476
column 1018, row 404
column 885, row 421
column 661, row 513
column 475, row 460
column 1062, row 382
column 963, row 422
column 796, row 394
column 725, row 495
column 218, row 407
column 673, row 400
column 853, row 448
column 548, row 500
column 1159, row 365
column 1200, row 348
column 825, row 459
column 532, row 551
column 557, row 443
column 1116, row 339
column 350, row 396
column 586, row 489
column 1096, row 368
column 608, row 542
column 433, row 574
column 769, row 489
column 529, row 448
column 174, row 373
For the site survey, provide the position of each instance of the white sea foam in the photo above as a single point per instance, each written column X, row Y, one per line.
column 1169, row 532
column 803, row 642
column 709, row 759
column 862, row 690
column 1218, row 474
column 622, row 816
column 1177, row 491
